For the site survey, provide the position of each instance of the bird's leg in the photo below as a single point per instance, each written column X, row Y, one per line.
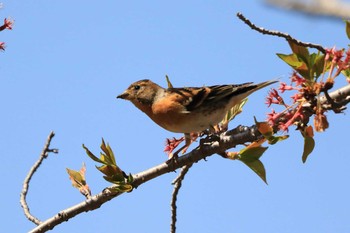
column 218, row 129
column 214, row 128
column 189, row 138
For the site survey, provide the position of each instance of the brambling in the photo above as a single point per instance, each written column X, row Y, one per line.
column 190, row 109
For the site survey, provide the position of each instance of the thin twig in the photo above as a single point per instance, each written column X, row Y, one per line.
column 29, row 176
column 177, row 185
column 286, row 36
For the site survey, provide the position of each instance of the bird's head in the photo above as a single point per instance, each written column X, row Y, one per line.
column 141, row 92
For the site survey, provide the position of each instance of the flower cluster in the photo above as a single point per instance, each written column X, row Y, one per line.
column 292, row 114
column 307, row 81
column 335, row 58
column 8, row 23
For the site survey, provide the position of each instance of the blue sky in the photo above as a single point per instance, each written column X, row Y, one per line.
column 65, row 63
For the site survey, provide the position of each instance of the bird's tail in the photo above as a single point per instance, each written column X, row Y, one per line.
column 264, row 84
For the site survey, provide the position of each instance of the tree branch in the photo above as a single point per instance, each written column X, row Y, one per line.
column 286, row 36
column 177, row 185
column 340, row 96
column 208, row 146
column 45, row 152
column 332, row 8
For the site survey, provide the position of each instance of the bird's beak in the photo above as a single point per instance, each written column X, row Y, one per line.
column 123, row 96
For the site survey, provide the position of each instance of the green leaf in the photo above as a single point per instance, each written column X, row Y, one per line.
column 233, row 112
column 130, row 179
column 274, row 139
column 109, row 155
column 125, row 188
column 346, row 73
column 91, row 155
column 309, row 142
column 258, row 167
column 296, row 63
column 318, row 64
column 291, row 59
column 267, row 131
column 252, row 153
column 309, row 145
column 78, row 180
column 301, row 51
column 264, row 128
column 121, row 188
column 115, row 179
column 109, row 170
column 107, row 158
column 250, row 157
column 347, row 28
column 109, row 166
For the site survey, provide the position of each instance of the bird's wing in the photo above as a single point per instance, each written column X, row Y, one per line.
column 189, row 98
column 220, row 92
column 193, row 97
column 225, row 92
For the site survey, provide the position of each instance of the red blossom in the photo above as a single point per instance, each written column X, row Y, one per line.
column 284, row 87
column 292, row 119
column 2, row 45
column 328, row 53
column 273, row 98
column 270, row 100
column 347, row 58
column 343, row 65
column 285, row 126
column 272, row 117
column 296, row 97
column 171, row 144
column 297, row 79
column 8, row 23
column 337, row 55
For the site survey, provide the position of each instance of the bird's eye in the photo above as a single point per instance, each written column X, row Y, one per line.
column 136, row 87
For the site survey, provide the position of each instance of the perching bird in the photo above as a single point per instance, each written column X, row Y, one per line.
column 189, row 109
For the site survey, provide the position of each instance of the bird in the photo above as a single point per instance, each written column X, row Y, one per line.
column 188, row 110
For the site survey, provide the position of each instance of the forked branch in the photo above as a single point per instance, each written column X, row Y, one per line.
column 45, row 152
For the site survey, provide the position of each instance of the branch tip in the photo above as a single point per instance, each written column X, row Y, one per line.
column 286, row 36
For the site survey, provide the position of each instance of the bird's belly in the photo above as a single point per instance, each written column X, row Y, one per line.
column 192, row 122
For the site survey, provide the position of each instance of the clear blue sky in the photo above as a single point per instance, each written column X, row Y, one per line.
column 65, row 63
